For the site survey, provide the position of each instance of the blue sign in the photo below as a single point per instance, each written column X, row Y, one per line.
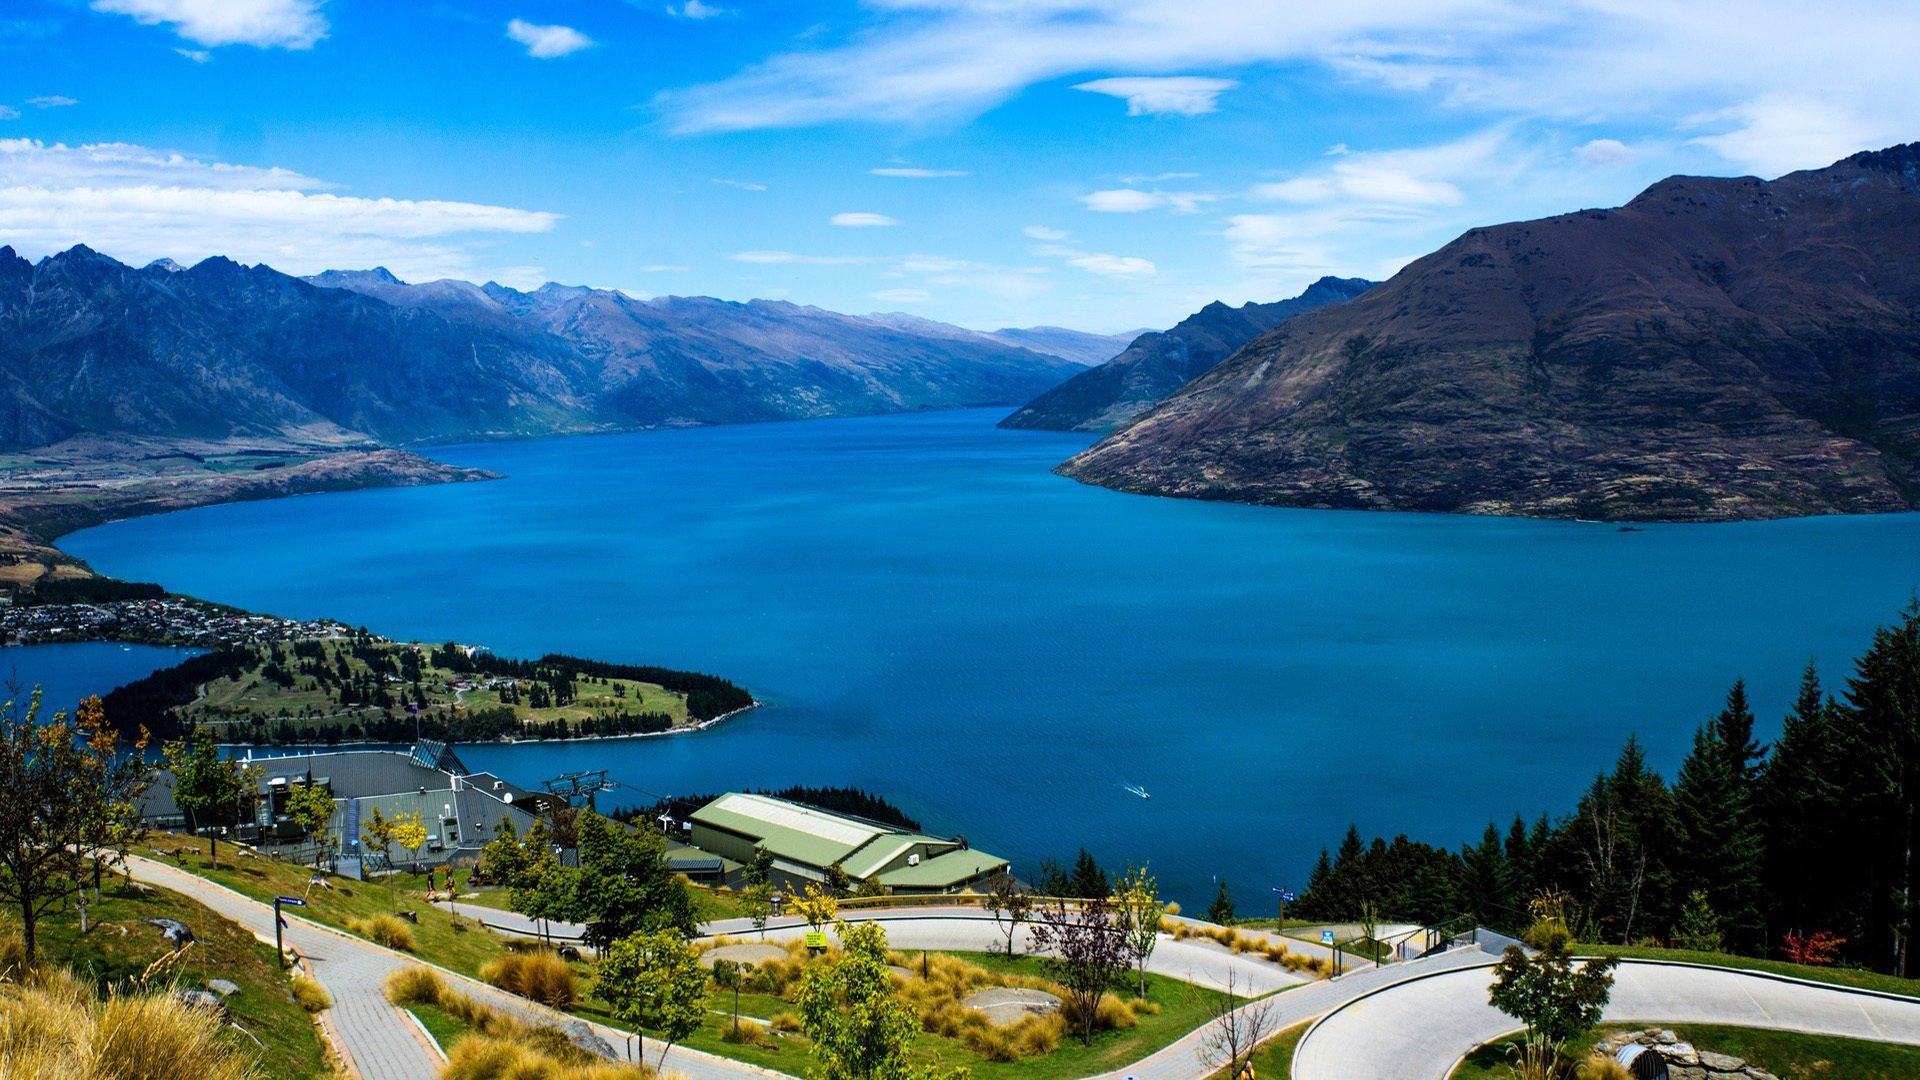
column 1326, row 937
column 294, row 900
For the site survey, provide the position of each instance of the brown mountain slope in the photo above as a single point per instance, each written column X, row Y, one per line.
column 1716, row 349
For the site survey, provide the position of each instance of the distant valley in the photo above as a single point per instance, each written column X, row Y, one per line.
column 1156, row 363
column 1716, row 349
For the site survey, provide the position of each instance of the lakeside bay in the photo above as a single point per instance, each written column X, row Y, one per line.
column 931, row 614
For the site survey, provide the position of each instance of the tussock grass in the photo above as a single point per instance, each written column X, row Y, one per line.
column 1601, row 1067
column 747, row 1033
column 310, row 995
column 1250, row 944
column 499, row 1046
column 538, row 975
column 785, row 1022
column 386, row 930
column 53, row 1027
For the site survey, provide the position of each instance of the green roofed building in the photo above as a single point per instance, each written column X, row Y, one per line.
column 806, row 841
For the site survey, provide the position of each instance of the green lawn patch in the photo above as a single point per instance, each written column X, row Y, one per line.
column 445, row 1028
column 120, row 945
column 1274, row 1059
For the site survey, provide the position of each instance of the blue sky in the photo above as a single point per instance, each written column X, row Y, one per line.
column 1101, row 164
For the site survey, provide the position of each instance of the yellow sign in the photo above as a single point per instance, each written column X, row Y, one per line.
column 816, row 939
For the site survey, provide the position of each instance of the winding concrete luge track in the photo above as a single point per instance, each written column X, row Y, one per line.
column 1419, row 1029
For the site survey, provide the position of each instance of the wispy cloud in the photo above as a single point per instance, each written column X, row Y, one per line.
column 1751, row 85
column 863, row 220
column 1163, row 95
column 142, row 204
column 52, row 101
column 1042, row 232
column 285, row 24
column 903, row 296
column 547, row 42
column 743, row 185
column 776, row 258
column 198, row 56
column 1099, row 262
column 694, row 9
column 1133, row 201
column 8, row 112
column 918, row 174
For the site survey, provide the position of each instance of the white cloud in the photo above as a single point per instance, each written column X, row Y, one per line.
column 1604, row 153
column 1167, row 95
column 1653, row 66
column 694, row 9
column 547, row 42
column 903, row 296
column 1159, row 178
column 743, row 185
column 1133, row 201
column 1042, row 232
column 918, row 174
column 287, row 24
column 52, row 101
column 771, row 258
column 140, row 204
column 8, row 112
column 1101, row 263
column 198, row 56
column 1779, row 133
column 664, row 268
column 863, row 220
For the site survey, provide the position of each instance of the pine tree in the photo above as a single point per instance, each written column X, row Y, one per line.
column 1802, row 815
column 1719, row 829
column 1484, row 884
column 1221, row 910
column 1884, row 707
column 1089, row 881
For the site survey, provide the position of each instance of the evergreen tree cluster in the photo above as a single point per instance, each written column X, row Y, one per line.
column 1750, row 848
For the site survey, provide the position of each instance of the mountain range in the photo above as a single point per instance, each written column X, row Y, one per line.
column 1714, row 349
column 226, row 351
column 1157, row 363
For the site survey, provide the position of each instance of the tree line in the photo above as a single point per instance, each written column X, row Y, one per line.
column 1802, row 848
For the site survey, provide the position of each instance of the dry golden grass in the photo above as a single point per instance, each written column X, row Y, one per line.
column 53, row 1028
column 499, row 1046
column 539, row 975
column 310, row 995
column 1601, row 1067
column 1254, row 944
column 785, row 1022
column 386, row 930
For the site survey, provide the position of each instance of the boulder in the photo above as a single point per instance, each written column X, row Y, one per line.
column 223, row 987
column 581, row 1035
column 201, row 999
column 1722, row 1063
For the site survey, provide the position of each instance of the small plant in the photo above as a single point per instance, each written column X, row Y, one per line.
column 414, row 985
column 1818, row 949
column 539, row 975
column 785, row 1022
column 1599, row 1066
column 310, row 995
column 385, row 930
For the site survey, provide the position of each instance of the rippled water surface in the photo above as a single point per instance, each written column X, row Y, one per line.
column 930, row 613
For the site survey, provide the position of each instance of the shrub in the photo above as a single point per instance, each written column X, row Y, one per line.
column 57, row 1028
column 310, row 995
column 1173, row 907
column 1034, row 1036
column 386, row 930
column 538, row 976
column 1599, row 1066
column 747, row 1033
column 785, row 1022
column 415, row 985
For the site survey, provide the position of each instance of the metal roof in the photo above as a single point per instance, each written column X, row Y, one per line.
column 797, row 833
column 953, row 868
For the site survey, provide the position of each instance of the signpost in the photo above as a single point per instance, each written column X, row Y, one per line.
column 279, row 949
column 1286, row 897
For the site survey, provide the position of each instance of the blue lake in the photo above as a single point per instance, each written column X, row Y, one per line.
column 931, row 614
column 66, row 673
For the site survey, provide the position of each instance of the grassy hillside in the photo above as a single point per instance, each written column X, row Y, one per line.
column 120, row 947
column 368, row 688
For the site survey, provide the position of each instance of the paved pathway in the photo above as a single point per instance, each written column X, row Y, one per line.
column 1418, row 1030
column 381, row 1040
